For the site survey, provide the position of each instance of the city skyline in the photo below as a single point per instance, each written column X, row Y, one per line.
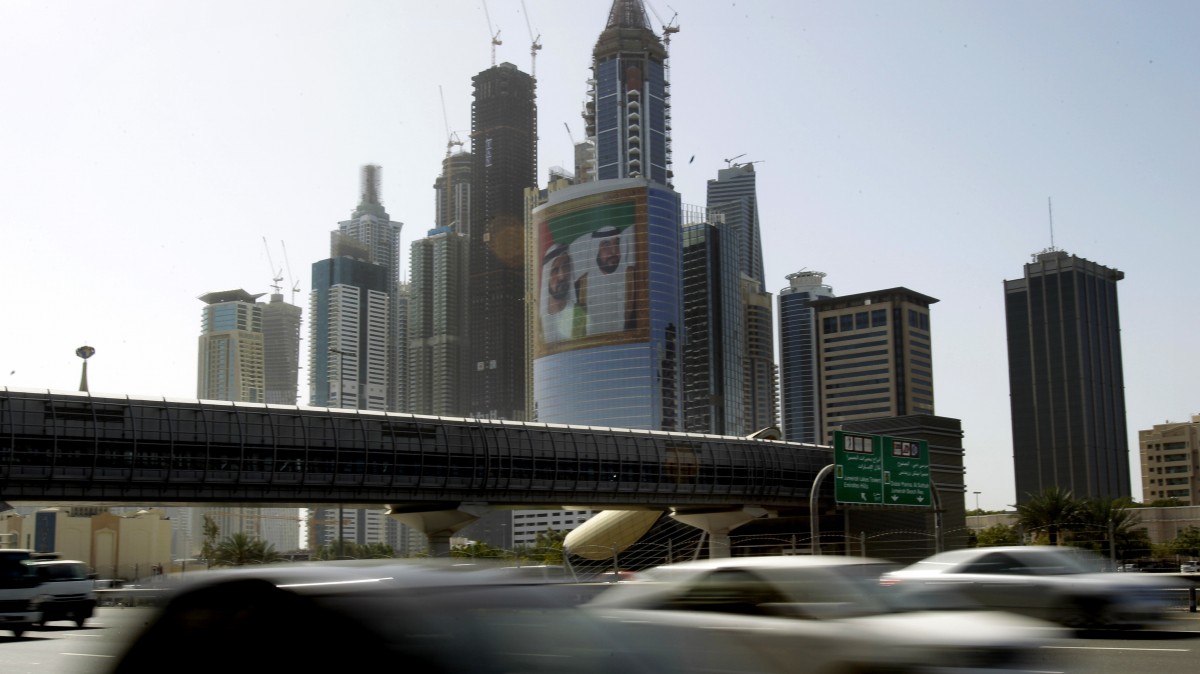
column 899, row 146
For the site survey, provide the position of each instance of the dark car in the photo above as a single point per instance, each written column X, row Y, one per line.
column 424, row 618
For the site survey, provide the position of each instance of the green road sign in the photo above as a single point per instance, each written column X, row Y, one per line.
column 881, row 469
column 858, row 477
column 906, row 472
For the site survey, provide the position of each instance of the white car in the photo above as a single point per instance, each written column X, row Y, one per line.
column 1062, row 584
column 811, row 615
column 1189, row 567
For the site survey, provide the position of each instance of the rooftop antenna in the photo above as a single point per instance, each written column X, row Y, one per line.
column 451, row 137
column 294, row 282
column 277, row 276
column 535, row 43
column 1050, row 207
column 495, row 35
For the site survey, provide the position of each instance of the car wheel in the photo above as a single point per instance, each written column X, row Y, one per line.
column 79, row 622
column 18, row 631
column 1085, row 614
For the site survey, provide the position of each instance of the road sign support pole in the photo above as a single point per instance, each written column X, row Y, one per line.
column 813, row 521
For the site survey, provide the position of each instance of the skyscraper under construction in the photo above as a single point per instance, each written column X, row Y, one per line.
column 504, row 151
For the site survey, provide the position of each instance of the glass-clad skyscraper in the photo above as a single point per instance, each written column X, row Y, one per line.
column 800, row 396
column 1066, row 379
column 607, row 303
column 628, row 111
column 713, row 374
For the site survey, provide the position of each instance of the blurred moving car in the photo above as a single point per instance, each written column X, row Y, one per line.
column 1064, row 585
column 425, row 617
column 812, row 614
column 1189, row 567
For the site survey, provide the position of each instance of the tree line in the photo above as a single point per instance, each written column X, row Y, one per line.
column 1056, row 517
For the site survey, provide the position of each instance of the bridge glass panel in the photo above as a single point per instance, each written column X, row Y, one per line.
column 587, row 452
column 566, row 459
column 290, row 445
column 351, row 449
column 151, row 431
column 320, row 458
column 258, row 443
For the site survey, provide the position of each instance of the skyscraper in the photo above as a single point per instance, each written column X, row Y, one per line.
column 628, row 111
column 733, row 196
column 248, row 353
column 453, row 190
column 758, row 362
column 876, row 357
column 354, row 353
column 1066, row 380
column 735, row 192
column 608, row 310
column 800, row 395
column 231, row 348
column 713, row 373
column 504, row 152
column 437, row 323
column 281, row 350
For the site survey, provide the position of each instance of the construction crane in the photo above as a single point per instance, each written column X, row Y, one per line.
column 729, row 162
column 669, row 28
column 495, row 36
column 452, row 138
column 292, row 279
column 535, row 43
column 276, row 276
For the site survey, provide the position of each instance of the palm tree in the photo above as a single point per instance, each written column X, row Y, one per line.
column 241, row 549
column 1053, row 510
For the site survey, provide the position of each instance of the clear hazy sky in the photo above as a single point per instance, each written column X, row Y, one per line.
column 148, row 147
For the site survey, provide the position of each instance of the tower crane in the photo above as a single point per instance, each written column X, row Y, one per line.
column 292, row 279
column 452, row 138
column 276, row 276
column 535, row 43
column 669, row 28
column 495, row 36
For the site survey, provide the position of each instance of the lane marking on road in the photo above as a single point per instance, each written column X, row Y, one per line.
column 90, row 655
column 1118, row 648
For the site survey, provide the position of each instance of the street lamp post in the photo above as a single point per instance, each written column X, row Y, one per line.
column 341, row 403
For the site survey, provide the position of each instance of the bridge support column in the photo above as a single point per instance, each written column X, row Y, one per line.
column 439, row 525
column 718, row 524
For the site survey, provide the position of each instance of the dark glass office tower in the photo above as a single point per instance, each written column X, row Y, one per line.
column 628, row 112
column 1066, row 382
column 504, row 152
column 800, row 396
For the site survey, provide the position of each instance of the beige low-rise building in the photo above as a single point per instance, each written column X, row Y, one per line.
column 130, row 546
column 1170, row 455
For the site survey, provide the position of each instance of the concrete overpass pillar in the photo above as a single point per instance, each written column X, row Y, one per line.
column 439, row 525
column 718, row 524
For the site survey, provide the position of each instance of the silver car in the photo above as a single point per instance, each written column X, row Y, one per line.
column 1065, row 585
column 811, row 615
